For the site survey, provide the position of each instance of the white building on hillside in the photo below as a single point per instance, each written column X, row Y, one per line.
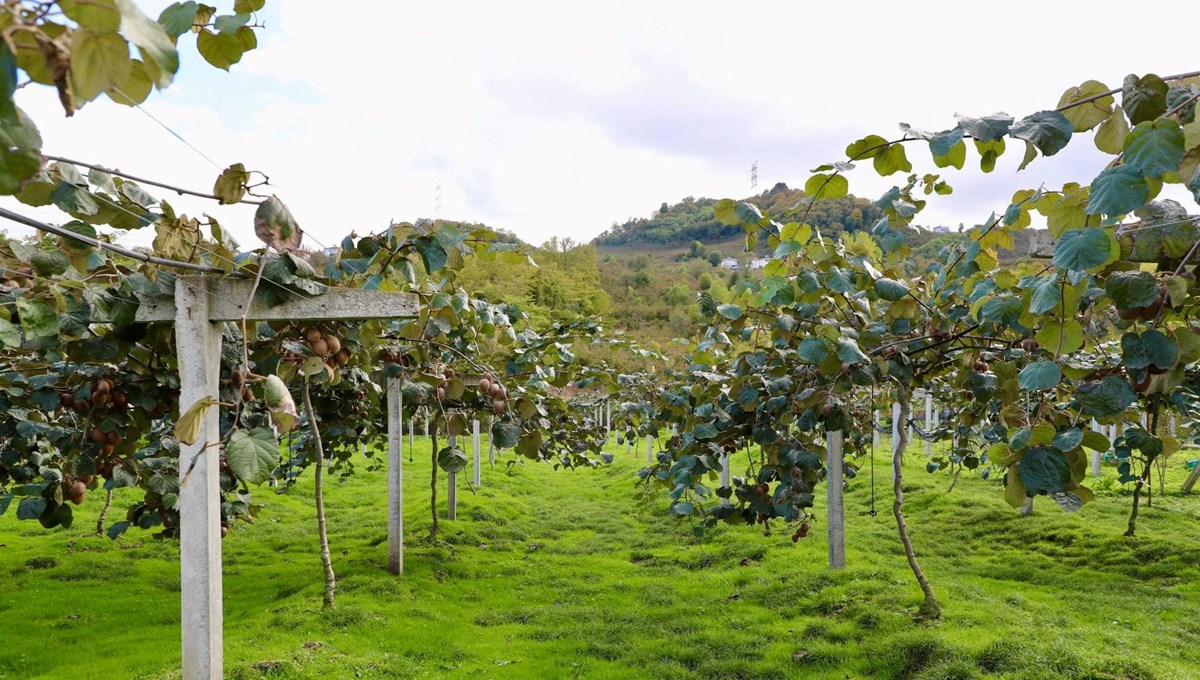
column 730, row 263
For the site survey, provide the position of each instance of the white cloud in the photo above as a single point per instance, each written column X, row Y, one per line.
column 560, row 118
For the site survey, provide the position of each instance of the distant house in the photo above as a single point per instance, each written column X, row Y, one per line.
column 730, row 263
column 941, row 230
column 759, row 262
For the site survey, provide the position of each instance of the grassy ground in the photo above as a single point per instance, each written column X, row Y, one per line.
column 559, row 575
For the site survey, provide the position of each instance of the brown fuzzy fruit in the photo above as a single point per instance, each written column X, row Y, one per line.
column 1130, row 313
column 77, row 492
column 66, row 400
column 103, row 385
column 333, row 343
column 342, row 357
column 119, row 399
column 97, row 435
column 312, row 335
column 113, row 438
column 320, row 347
column 496, row 390
column 239, row 378
column 1029, row 345
column 107, row 450
column 441, row 394
column 86, row 479
column 224, row 530
column 80, row 406
column 485, row 385
column 499, row 406
column 982, row 366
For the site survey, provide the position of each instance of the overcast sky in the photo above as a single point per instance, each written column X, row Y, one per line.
column 562, row 118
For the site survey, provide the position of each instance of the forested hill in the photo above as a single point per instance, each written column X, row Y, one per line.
column 692, row 219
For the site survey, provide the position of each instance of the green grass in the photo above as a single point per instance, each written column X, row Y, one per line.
column 559, row 574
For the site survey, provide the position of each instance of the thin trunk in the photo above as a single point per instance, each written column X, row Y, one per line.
column 930, row 609
column 433, row 528
column 1144, row 481
column 319, row 483
column 1137, row 492
column 104, row 512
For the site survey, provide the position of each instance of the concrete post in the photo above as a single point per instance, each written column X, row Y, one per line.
column 836, row 510
column 395, row 476
column 198, row 341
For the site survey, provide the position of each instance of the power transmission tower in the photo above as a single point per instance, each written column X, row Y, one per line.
column 753, row 175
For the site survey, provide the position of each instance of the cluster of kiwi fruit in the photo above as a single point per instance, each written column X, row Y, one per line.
column 1148, row 312
column 105, row 394
column 491, row 388
column 328, row 346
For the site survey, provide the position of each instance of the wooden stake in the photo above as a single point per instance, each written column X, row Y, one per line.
column 451, row 486
column 475, row 446
column 395, row 476
column 837, row 516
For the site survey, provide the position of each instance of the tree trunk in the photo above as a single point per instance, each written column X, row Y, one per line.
column 104, row 512
column 930, row 608
column 1137, row 492
column 319, row 484
column 433, row 528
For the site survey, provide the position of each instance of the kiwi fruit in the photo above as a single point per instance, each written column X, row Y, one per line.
column 320, row 347
column 312, row 335
column 332, row 342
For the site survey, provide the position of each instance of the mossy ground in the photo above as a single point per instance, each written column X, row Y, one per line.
column 560, row 574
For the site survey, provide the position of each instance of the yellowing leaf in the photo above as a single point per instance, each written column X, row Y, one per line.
column 187, row 428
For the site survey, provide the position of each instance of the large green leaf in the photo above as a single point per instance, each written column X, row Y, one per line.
column 1040, row 375
column 37, row 318
column 20, row 151
column 1066, row 440
column 1117, row 191
column 432, row 253
column 10, row 335
column 1083, row 249
column 1110, row 137
column 1152, row 348
column 986, row 129
column 730, row 311
column 1088, row 115
column 1059, row 337
column 220, row 49
column 253, row 455
column 100, row 16
column 1044, row 470
column 1144, row 98
column 867, row 147
column 505, row 434
column 99, row 62
column 178, row 18
column 826, row 186
column 1107, row 397
column 1004, row 309
column 153, row 42
column 452, row 459
column 1049, row 131
column 1130, row 289
column 812, row 350
column 890, row 289
column 705, row 431
column 1155, row 147
column 1046, row 296
column 891, row 160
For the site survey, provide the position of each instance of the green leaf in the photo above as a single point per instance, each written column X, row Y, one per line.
column 49, row 264
column 1083, row 249
column 152, row 40
column 220, row 49
column 505, row 434
column 1046, row 296
column 1144, row 98
column 253, row 455
column 1107, row 397
column 1096, row 441
column 31, row 508
column 826, row 186
column 890, row 289
column 867, row 147
column 1110, row 138
column 1005, row 310
column 99, row 62
column 812, row 350
column 275, row 226
column 1118, row 191
column 987, row 129
column 1043, row 470
column 10, row 335
column 730, row 311
column 1049, row 131
column 433, row 255
column 247, row 6
column 137, row 89
column 187, row 428
column 891, row 160
column 179, row 17
column 955, row 157
column 1040, row 375
column 1060, row 338
column 228, row 23
column 101, row 16
column 1087, row 116
column 1068, row 439
column 231, row 184
column 1131, row 289
column 20, row 152
column 452, row 459
column 704, row 431
column 1152, row 348
column 849, row 353
column 1155, row 147
column 37, row 318
column 725, row 211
